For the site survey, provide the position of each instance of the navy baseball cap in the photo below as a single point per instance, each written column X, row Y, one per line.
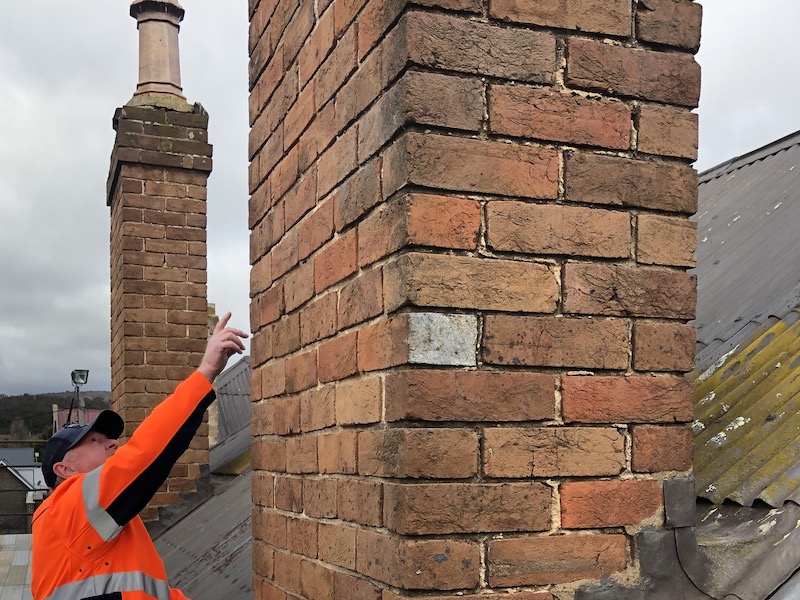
column 107, row 422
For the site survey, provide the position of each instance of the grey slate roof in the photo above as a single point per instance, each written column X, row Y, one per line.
column 233, row 395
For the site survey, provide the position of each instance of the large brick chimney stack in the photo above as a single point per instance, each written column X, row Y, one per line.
column 157, row 194
column 470, row 238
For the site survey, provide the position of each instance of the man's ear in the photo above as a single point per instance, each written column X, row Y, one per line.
column 62, row 470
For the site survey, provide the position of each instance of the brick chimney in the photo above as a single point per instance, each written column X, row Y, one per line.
column 157, row 194
column 469, row 243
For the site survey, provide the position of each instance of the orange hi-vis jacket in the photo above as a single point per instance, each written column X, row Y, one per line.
column 88, row 539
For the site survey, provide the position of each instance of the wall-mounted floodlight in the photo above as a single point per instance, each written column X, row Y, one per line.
column 79, row 378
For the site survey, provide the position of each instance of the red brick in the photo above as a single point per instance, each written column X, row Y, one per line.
column 627, row 399
column 337, row 358
column 361, row 298
column 418, row 564
column 336, row 261
column 463, row 164
column 289, row 494
column 663, row 240
column 550, row 229
column 286, row 335
column 457, row 44
column 611, row 17
column 337, row 162
column 315, row 230
column 374, row 21
column 273, row 377
column 359, row 401
column 317, row 409
column 663, row 346
column 424, row 98
column 360, row 501
column 359, row 92
column 670, row 22
column 443, row 508
column 336, row 68
column 554, row 559
column 555, row 342
column 552, row 452
column 285, row 254
column 383, row 344
column 338, row 452
column 419, row 219
column 425, row 453
column 450, row 395
column 662, row 448
column 299, row 116
column 659, row 76
column 301, row 371
column 317, row 47
column 300, row 199
column 301, row 537
column 298, row 286
column 561, row 117
column 595, row 504
column 466, row 282
column 318, row 319
column 269, row 454
column 337, row 544
column 319, row 497
column 288, row 571
column 286, row 415
column 348, row 586
column 359, row 192
column 509, row 595
column 668, row 131
column 616, row 181
column 301, row 454
column 316, row 580
column 603, row 289
column 317, row 137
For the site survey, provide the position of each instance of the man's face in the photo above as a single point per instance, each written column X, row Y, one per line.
column 90, row 453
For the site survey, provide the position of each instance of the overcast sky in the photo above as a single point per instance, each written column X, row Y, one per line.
column 66, row 66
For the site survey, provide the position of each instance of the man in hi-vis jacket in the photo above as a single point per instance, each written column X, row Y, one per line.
column 88, row 539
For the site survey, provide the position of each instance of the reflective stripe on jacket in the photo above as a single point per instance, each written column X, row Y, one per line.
column 88, row 539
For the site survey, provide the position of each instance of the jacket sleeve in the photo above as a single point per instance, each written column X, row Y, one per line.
column 116, row 492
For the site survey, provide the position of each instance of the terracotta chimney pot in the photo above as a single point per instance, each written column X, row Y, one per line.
column 158, row 22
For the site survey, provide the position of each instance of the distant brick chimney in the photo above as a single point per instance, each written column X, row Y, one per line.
column 469, row 239
column 157, row 195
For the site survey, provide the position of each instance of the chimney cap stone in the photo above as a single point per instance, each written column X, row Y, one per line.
column 172, row 7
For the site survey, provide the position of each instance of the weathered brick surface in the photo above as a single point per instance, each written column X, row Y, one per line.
column 663, row 240
column 626, row 399
column 562, row 117
column 670, row 22
column 359, row 401
column 463, row 282
column 463, row 508
column 602, row 289
column 463, row 164
column 668, row 131
column 660, row 76
column 549, row 229
column 662, row 448
column 615, row 181
column 419, row 219
column 598, row 16
column 555, row 342
column 454, row 395
column 663, row 346
column 418, row 453
column 418, row 564
column 552, row 451
column 554, row 559
column 455, row 44
column 595, row 504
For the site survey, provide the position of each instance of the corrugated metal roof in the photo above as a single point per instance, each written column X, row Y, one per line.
column 233, row 396
column 208, row 554
column 748, row 268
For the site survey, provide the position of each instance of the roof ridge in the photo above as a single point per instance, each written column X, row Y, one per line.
column 749, row 158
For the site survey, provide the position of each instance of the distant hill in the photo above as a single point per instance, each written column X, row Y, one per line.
column 31, row 415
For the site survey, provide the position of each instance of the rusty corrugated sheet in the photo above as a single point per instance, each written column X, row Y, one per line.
column 748, row 268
